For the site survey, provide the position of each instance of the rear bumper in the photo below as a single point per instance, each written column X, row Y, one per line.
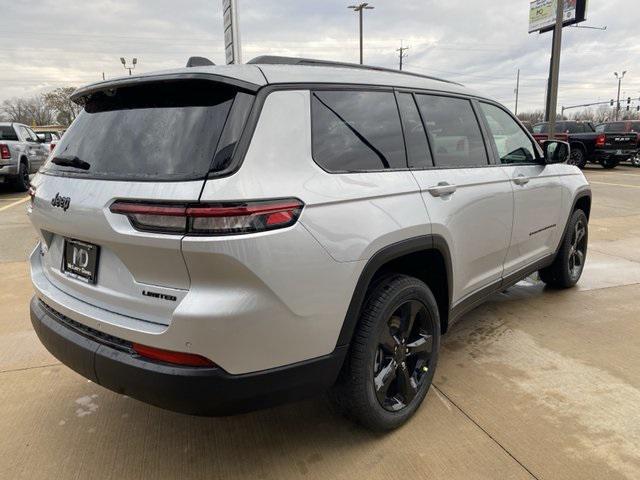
column 8, row 170
column 613, row 154
column 193, row 390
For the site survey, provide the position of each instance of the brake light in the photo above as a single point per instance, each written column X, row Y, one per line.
column 169, row 356
column 5, row 153
column 600, row 140
column 227, row 218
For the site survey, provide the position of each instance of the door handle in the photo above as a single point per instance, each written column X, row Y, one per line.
column 442, row 189
column 520, row 179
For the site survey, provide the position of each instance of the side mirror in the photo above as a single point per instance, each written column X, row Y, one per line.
column 556, row 151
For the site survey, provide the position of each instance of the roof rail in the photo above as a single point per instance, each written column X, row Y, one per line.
column 277, row 60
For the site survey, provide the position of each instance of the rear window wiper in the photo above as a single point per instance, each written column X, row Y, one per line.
column 74, row 162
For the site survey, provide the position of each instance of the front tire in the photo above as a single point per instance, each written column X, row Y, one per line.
column 566, row 269
column 635, row 161
column 393, row 355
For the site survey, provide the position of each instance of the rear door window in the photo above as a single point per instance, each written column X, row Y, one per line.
column 355, row 131
column 8, row 133
column 614, row 127
column 513, row 145
column 159, row 131
column 454, row 132
column 415, row 136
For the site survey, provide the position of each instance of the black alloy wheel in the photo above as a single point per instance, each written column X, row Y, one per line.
column 402, row 360
column 578, row 249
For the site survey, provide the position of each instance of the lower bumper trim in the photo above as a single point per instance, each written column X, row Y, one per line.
column 191, row 390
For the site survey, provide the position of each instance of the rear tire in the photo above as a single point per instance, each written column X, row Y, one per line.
column 608, row 163
column 578, row 158
column 21, row 182
column 393, row 355
column 566, row 269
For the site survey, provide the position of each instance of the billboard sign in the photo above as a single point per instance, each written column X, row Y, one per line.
column 542, row 14
column 231, row 31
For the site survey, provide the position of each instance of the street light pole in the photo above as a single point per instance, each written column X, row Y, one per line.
column 554, row 70
column 133, row 64
column 619, row 77
column 359, row 8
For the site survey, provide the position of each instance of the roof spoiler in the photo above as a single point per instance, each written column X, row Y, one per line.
column 199, row 62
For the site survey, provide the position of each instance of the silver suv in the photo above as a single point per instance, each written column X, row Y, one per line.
column 218, row 239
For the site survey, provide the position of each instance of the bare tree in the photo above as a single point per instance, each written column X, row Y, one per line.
column 17, row 110
column 535, row 116
column 58, row 101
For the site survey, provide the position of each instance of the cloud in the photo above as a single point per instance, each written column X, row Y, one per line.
column 480, row 44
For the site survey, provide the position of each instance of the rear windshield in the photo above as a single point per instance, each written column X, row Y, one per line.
column 614, row 127
column 162, row 131
column 8, row 133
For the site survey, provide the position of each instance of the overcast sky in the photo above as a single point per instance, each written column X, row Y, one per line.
column 50, row 43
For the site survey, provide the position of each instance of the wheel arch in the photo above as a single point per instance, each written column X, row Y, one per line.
column 578, row 144
column 25, row 160
column 426, row 257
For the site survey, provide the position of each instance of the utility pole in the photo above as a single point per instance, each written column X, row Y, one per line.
column 619, row 77
column 359, row 8
column 554, row 70
column 401, row 50
column 131, row 67
column 517, row 91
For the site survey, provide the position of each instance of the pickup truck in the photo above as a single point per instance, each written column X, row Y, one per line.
column 624, row 126
column 587, row 145
column 21, row 153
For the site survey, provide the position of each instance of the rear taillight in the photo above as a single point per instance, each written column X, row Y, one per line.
column 52, row 146
column 229, row 218
column 4, row 151
column 600, row 140
column 169, row 356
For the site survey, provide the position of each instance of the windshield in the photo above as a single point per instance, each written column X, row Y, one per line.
column 163, row 131
column 617, row 127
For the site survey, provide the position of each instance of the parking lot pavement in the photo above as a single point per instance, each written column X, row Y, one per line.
column 533, row 384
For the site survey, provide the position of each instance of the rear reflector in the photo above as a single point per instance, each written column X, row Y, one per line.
column 169, row 356
column 230, row 218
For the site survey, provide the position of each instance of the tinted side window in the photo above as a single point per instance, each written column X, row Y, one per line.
column 415, row 137
column 514, row 146
column 8, row 133
column 356, row 131
column 453, row 131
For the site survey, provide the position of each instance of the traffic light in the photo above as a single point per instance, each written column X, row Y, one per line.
column 628, row 100
column 612, row 102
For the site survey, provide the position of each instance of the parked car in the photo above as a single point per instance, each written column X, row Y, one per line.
column 624, row 126
column 587, row 145
column 50, row 139
column 21, row 153
column 223, row 238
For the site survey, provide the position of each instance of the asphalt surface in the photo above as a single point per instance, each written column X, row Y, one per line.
column 533, row 384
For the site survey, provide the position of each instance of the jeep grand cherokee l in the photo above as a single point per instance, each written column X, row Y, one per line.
column 218, row 239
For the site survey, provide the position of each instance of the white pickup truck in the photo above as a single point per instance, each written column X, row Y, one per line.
column 21, row 153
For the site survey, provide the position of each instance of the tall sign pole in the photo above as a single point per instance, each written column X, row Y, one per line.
column 232, row 51
column 554, row 70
